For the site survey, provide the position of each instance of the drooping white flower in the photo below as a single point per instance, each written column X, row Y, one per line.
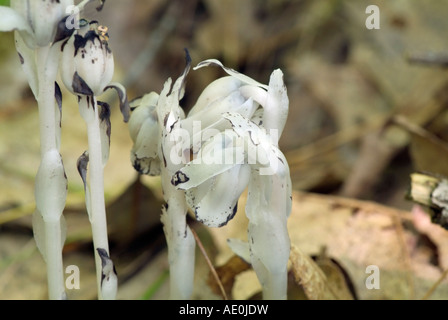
column 213, row 189
column 266, row 105
column 234, row 147
column 144, row 132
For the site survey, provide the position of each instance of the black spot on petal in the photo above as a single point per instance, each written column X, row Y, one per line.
column 124, row 102
column 62, row 32
column 22, row 61
column 82, row 163
column 80, row 86
column 58, row 97
column 178, row 178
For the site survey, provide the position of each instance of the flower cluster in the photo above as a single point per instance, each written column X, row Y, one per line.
column 226, row 143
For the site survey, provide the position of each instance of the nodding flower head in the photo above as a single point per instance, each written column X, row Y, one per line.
column 87, row 64
column 144, row 132
column 36, row 21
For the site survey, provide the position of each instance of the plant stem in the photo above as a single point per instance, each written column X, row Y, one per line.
column 46, row 102
column 56, row 288
column 180, row 240
column 89, row 110
column 48, row 143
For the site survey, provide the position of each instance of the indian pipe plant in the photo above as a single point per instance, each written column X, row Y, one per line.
column 227, row 143
column 232, row 132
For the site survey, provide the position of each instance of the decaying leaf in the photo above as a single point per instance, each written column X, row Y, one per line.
column 308, row 274
column 227, row 274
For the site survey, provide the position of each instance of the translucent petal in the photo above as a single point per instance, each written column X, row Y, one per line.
column 234, row 102
column 215, row 202
column 144, row 153
column 28, row 62
column 216, row 90
column 240, row 248
column 217, row 155
column 277, row 105
column 233, row 73
column 144, row 108
column 11, row 20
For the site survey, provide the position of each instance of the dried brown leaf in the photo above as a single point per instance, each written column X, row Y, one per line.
column 308, row 274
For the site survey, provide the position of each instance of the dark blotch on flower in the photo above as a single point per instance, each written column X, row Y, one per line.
column 80, row 86
column 178, row 178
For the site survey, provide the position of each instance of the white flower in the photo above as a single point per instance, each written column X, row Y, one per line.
column 213, row 190
column 87, row 64
column 144, row 132
column 205, row 190
column 241, row 120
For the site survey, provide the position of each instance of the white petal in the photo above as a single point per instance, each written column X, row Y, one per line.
column 234, row 102
column 274, row 113
column 95, row 65
column 233, row 73
column 66, row 64
column 240, row 248
column 258, row 143
column 28, row 62
column 11, row 20
column 216, row 90
column 218, row 155
column 144, row 153
column 277, row 105
column 145, row 108
column 215, row 202
column 44, row 17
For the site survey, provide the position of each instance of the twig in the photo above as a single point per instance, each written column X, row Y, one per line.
column 435, row 285
column 209, row 263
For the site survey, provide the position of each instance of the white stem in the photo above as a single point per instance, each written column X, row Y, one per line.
column 276, row 286
column 56, row 288
column 48, row 142
column 96, row 179
column 180, row 240
column 269, row 260
column 46, row 101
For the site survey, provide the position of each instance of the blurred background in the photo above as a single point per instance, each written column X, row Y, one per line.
column 367, row 108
